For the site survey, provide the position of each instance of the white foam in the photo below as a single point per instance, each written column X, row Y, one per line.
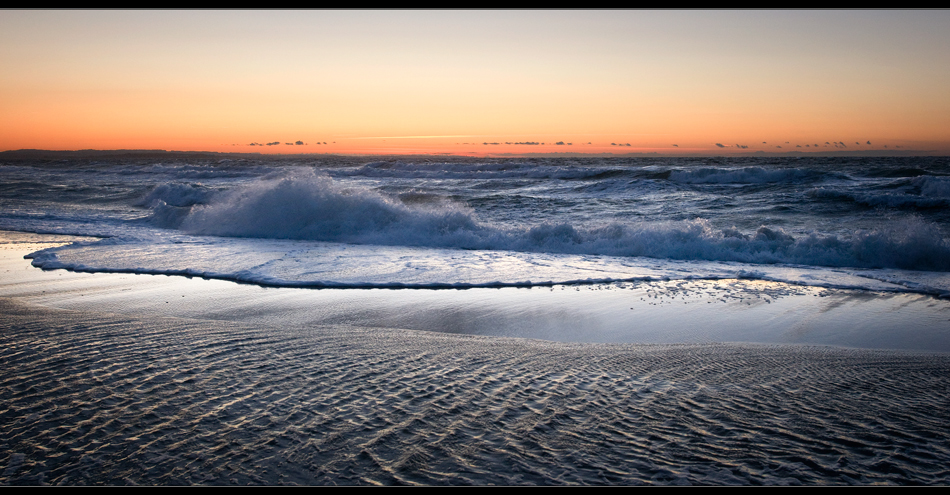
column 287, row 263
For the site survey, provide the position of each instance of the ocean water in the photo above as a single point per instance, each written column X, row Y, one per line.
column 658, row 295
column 854, row 223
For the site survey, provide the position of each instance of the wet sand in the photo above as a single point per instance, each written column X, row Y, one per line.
column 134, row 379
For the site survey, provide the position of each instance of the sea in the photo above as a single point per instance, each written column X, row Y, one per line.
column 876, row 223
column 317, row 320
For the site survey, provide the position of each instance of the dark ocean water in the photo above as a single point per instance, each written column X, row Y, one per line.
column 866, row 223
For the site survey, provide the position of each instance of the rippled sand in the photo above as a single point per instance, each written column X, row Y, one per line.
column 89, row 397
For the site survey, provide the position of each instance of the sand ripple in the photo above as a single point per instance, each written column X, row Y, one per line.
column 105, row 399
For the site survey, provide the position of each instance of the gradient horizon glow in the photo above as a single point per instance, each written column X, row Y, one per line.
column 458, row 82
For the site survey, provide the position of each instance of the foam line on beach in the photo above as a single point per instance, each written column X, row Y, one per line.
column 328, row 265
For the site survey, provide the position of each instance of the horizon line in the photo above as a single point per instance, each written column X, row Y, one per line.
column 33, row 153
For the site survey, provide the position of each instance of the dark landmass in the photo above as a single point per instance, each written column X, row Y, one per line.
column 654, row 154
column 34, row 155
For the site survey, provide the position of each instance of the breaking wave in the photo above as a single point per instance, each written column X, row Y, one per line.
column 933, row 187
column 177, row 194
column 308, row 206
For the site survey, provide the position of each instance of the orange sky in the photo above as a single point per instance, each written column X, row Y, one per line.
column 429, row 82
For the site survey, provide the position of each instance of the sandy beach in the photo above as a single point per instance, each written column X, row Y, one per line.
column 137, row 379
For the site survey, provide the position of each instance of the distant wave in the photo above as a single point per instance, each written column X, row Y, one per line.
column 502, row 170
column 744, row 175
column 691, row 175
column 308, row 206
column 529, row 170
column 919, row 192
column 933, row 187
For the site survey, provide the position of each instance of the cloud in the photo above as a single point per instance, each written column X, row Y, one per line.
column 560, row 143
column 528, row 142
column 299, row 143
column 869, row 142
column 676, row 146
column 720, row 145
column 273, row 143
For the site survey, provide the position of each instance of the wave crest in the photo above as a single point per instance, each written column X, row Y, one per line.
column 307, row 206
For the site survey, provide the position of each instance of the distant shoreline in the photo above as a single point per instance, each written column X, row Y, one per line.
column 91, row 154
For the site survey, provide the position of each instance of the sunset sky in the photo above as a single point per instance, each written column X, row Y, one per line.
column 451, row 81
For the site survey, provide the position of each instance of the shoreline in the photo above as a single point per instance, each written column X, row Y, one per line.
column 108, row 380
column 646, row 312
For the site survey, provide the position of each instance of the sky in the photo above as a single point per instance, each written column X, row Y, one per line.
column 476, row 82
